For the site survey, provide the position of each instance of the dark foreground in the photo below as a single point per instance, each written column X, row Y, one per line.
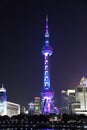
column 43, row 122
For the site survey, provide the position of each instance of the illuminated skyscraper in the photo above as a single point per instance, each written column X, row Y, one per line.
column 3, row 101
column 75, row 100
column 37, row 106
column 47, row 93
column 81, row 97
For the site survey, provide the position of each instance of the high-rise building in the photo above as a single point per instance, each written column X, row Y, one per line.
column 64, row 103
column 47, row 93
column 37, row 106
column 34, row 107
column 75, row 100
column 81, row 97
column 3, row 101
column 31, row 108
column 68, row 99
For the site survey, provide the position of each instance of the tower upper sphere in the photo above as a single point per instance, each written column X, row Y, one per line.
column 47, row 49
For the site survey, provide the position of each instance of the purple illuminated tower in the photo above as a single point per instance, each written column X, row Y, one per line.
column 47, row 93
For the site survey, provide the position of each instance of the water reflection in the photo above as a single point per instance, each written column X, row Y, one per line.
column 30, row 129
column 54, row 129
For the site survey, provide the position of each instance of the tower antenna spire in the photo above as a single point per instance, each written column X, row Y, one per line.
column 47, row 32
column 47, row 18
column 2, row 85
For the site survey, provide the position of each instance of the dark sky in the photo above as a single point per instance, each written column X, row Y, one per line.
column 22, row 28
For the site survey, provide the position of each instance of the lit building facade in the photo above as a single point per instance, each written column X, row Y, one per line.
column 68, row 99
column 7, row 108
column 34, row 107
column 3, row 101
column 37, row 106
column 47, row 93
column 64, row 103
column 12, row 109
column 81, row 97
column 31, row 108
column 75, row 100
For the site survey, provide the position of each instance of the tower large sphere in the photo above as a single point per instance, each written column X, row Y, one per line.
column 47, row 49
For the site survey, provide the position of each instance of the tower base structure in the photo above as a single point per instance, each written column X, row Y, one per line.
column 47, row 102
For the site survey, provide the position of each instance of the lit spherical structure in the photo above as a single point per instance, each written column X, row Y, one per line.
column 47, row 49
column 47, row 94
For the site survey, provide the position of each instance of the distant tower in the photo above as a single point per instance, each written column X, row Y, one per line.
column 47, row 93
column 3, row 101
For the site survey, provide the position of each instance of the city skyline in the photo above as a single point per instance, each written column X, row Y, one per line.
column 22, row 29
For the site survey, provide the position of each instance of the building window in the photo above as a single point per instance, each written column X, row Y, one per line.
column 46, row 83
column 46, row 78
column 46, row 72
column 79, row 90
column 46, row 67
column 86, row 89
column 46, row 61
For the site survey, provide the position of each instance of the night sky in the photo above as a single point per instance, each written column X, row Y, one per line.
column 22, row 29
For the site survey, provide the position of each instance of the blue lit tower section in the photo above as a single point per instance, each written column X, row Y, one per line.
column 3, row 101
column 47, row 93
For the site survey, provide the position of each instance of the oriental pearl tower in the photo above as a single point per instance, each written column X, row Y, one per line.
column 47, row 93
